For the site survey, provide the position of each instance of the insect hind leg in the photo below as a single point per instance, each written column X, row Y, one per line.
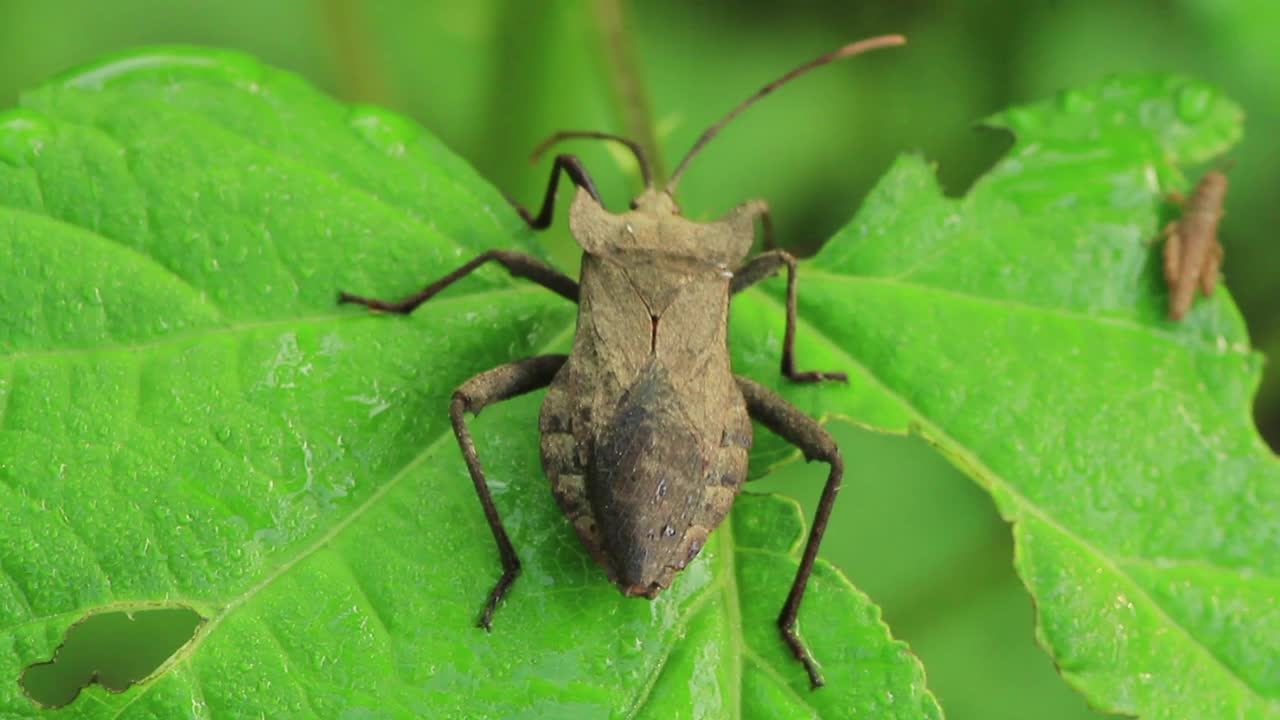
column 780, row 416
column 501, row 383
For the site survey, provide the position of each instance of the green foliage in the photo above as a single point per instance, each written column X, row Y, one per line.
column 188, row 418
column 1023, row 330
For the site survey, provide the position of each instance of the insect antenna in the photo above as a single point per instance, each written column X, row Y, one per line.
column 595, row 135
column 851, row 49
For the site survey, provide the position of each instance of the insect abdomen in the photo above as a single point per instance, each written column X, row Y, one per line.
column 645, row 483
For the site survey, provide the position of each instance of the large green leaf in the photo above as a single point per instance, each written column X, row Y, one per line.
column 188, row 420
column 1023, row 329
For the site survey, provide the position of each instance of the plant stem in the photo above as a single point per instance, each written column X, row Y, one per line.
column 359, row 76
column 628, row 87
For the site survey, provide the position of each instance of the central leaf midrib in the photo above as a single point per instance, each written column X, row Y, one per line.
column 932, row 431
column 742, row 649
column 733, row 613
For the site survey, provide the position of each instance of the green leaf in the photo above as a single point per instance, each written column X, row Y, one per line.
column 1021, row 329
column 187, row 420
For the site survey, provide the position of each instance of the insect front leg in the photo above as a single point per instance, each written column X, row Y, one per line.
column 780, row 416
column 501, row 383
column 569, row 165
column 518, row 264
column 765, row 265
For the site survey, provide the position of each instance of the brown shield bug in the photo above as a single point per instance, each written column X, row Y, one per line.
column 645, row 428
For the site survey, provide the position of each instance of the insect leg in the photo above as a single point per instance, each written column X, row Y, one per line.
column 1172, row 252
column 760, row 267
column 766, row 230
column 518, row 264
column 1177, row 273
column 501, row 383
column 570, row 165
column 1209, row 276
column 775, row 413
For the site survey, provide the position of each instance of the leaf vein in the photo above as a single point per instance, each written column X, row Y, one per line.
column 1170, row 563
column 7, row 389
column 733, row 613
column 201, row 705
column 316, row 174
column 274, row 637
column 1198, row 344
column 651, row 680
column 781, row 682
column 135, row 254
column 358, row 586
column 246, row 327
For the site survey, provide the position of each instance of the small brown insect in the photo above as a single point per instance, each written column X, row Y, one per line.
column 645, row 427
column 1192, row 253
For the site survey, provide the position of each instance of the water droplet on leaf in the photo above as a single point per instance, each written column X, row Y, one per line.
column 1194, row 102
column 1074, row 101
column 384, row 130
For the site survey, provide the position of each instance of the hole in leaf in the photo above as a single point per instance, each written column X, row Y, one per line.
column 114, row 649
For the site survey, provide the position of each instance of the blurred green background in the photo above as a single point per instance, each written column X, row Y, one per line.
column 491, row 78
